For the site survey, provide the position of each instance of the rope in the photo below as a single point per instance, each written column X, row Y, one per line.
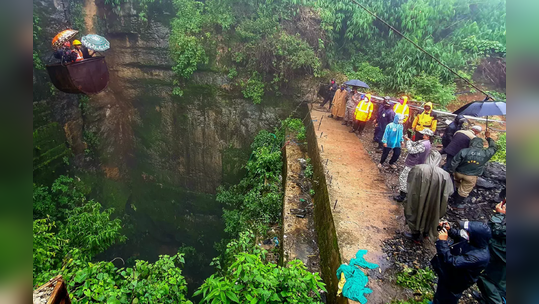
column 421, row 49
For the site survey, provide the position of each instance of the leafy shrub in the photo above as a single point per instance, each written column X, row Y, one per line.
column 309, row 169
column 295, row 126
column 249, row 279
column 252, row 30
column 253, row 88
column 429, row 88
column 502, row 149
column 102, row 282
column 419, row 280
column 91, row 230
column 185, row 46
column 482, row 47
column 65, row 193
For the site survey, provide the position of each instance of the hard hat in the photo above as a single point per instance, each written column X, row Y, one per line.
column 76, row 42
column 67, row 44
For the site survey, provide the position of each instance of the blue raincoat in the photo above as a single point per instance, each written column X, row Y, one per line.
column 393, row 133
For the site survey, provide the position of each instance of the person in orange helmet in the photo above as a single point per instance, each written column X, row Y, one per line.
column 78, row 50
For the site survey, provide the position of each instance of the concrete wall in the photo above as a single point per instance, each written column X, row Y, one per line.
column 330, row 258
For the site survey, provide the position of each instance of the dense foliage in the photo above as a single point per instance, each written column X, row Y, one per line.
column 256, row 201
column 250, row 280
column 501, row 154
column 69, row 231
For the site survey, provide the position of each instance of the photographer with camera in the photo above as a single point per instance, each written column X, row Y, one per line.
column 458, row 265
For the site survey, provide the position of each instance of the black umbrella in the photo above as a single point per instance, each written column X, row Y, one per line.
column 483, row 108
column 357, row 83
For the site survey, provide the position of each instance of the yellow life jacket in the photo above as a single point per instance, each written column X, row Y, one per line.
column 425, row 120
column 364, row 110
column 402, row 109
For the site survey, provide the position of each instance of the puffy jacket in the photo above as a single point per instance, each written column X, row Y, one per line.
column 364, row 110
column 461, row 263
column 402, row 109
column 471, row 161
column 453, row 127
column 393, row 134
column 425, row 120
column 460, row 141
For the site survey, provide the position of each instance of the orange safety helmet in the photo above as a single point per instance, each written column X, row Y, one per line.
column 67, row 44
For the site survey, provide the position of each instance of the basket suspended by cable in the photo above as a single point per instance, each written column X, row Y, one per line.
column 89, row 76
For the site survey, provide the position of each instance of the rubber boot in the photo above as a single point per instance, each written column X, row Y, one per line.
column 401, row 197
column 458, row 201
column 415, row 237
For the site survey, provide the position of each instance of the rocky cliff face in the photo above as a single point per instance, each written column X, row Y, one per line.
column 140, row 130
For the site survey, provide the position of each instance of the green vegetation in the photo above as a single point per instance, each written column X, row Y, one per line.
column 250, row 280
column 69, row 230
column 38, row 64
column 501, row 154
column 253, row 88
column 309, row 169
column 420, row 281
column 250, row 207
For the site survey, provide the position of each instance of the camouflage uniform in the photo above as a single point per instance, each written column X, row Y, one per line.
column 352, row 100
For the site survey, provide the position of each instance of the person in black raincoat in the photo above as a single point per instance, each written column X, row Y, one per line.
column 454, row 126
column 459, row 265
column 385, row 116
column 332, row 89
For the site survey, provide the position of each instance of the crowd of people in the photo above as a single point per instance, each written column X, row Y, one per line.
column 477, row 251
column 73, row 53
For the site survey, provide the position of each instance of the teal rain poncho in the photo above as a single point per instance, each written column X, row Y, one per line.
column 393, row 133
column 356, row 280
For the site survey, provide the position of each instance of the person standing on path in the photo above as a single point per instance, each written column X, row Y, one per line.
column 362, row 114
column 332, row 89
column 385, row 116
column 468, row 164
column 339, row 103
column 458, row 266
column 454, row 126
column 392, row 140
column 461, row 140
column 402, row 108
column 426, row 120
column 429, row 188
column 417, row 155
column 352, row 100
column 492, row 282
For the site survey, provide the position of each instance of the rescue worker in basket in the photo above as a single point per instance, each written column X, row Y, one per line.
column 426, row 120
column 402, row 108
column 78, row 50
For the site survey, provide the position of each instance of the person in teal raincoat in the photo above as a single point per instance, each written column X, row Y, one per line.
column 392, row 140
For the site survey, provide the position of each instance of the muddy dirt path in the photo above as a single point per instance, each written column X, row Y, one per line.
column 363, row 211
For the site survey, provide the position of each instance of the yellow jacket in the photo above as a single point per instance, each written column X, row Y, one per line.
column 364, row 109
column 425, row 120
column 402, row 109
